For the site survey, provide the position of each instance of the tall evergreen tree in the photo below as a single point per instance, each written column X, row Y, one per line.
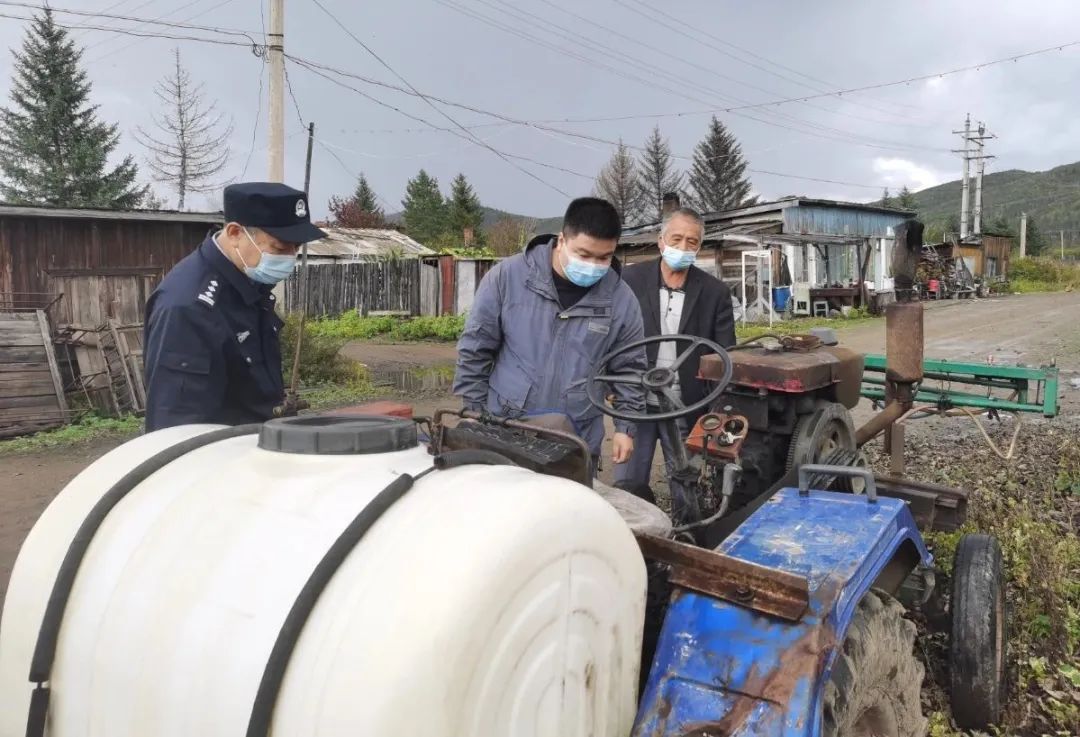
column 657, row 175
column 359, row 211
column 53, row 148
column 365, row 197
column 718, row 175
column 886, row 198
column 618, row 184
column 906, row 200
column 465, row 210
column 426, row 215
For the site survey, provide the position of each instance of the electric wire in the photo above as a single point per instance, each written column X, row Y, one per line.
column 431, row 104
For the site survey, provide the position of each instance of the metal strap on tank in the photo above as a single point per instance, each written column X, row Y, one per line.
column 48, row 636
column 262, row 711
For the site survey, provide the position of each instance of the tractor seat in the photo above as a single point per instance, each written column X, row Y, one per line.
column 639, row 515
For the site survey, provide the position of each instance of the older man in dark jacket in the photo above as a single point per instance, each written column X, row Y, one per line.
column 676, row 297
column 543, row 318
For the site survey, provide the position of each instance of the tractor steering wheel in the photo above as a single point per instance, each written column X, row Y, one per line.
column 657, row 380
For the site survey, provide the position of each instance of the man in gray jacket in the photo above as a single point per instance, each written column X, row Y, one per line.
column 543, row 318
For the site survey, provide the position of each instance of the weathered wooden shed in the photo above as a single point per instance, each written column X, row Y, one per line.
column 105, row 263
column 92, row 272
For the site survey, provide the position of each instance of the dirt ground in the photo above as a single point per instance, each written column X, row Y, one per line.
column 1030, row 329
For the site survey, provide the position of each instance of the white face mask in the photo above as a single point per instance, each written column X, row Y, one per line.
column 271, row 268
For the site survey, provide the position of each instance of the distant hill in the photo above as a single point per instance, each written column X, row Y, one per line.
column 1051, row 197
column 492, row 216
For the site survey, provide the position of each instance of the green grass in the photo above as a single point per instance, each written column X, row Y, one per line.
column 352, row 326
column 801, row 325
column 1032, row 506
column 1029, row 275
column 90, row 427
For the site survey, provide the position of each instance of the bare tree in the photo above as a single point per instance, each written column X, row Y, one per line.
column 618, row 184
column 191, row 147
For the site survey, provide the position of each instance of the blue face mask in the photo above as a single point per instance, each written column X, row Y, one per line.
column 271, row 268
column 678, row 260
column 583, row 273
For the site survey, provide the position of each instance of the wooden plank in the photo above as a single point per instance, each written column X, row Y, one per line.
column 20, row 341
column 25, row 389
column 41, row 375
column 45, row 403
column 23, row 354
column 17, row 317
column 58, row 384
column 17, row 368
column 124, row 369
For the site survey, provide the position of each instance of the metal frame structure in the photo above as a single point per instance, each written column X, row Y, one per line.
column 1033, row 390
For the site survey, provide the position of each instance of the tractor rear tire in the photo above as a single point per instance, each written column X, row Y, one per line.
column 977, row 644
column 876, row 682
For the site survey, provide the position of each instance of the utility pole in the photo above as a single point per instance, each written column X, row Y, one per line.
column 965, row 197
column 307, row 193
column 982, row 157
column 1023, row 235
column 307, row 163
column 978, row 182
column 969, row 215
column 276, row 48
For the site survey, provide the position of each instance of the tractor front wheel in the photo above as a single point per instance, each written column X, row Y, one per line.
column 876, row 681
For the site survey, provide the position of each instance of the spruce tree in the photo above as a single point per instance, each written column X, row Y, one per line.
column 465, row 210
column 618, row 184
column 886, row 199
column 718, row 175
column 657, row 175
column 53, row 148
column 365, row 198
column 359, row 211
column 906, row 200
column 425, row 214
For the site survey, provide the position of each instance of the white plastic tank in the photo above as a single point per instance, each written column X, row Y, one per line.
column 489, row 601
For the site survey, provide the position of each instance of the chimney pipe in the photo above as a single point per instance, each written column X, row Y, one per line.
column 670, row 203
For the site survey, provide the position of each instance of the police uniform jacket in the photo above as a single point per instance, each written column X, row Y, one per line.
column 212, row 350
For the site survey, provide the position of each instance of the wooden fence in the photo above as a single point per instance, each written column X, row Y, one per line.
column 31, row 392
column 392, row 285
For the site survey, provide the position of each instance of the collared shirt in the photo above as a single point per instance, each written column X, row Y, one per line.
column 671, row 308
column 212, row 345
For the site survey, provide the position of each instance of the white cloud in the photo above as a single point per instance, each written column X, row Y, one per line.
column 897, row 173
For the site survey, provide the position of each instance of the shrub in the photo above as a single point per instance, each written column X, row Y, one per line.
column 1043, row 275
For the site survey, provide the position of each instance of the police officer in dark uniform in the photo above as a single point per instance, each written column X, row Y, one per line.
column 212, row 349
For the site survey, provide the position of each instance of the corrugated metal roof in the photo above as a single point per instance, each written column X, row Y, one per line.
column 359, row 243
column 93, row 214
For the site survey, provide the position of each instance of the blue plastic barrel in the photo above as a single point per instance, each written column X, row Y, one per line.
column 780, row 297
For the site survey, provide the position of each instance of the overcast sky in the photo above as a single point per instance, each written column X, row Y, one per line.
column 611, row 61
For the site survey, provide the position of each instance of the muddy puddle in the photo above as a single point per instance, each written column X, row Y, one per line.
column 428, row 379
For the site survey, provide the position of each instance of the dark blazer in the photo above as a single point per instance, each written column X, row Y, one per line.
column 707, row 313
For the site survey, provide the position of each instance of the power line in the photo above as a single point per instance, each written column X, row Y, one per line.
column 126, row 32
column 846, row 136
column 145, row 21
column 351, row 173
column 708, row 70
column 692, row 29
column 432, row 105
column 185, row 20
column 315, row 69
column 434, row 126
column 288, row 85
column 258, row 116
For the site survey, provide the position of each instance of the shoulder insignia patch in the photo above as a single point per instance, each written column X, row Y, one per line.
column 208, row 295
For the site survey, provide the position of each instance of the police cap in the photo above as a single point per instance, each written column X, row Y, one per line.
column 274, row 208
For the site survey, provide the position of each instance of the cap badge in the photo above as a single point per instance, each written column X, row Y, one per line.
column 301, row 209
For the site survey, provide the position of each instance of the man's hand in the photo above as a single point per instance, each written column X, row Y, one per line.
column 622, row 446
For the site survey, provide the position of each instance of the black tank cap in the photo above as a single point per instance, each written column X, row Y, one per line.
column 338, row 435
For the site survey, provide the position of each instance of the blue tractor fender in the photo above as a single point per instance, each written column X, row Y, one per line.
column 722, row 669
